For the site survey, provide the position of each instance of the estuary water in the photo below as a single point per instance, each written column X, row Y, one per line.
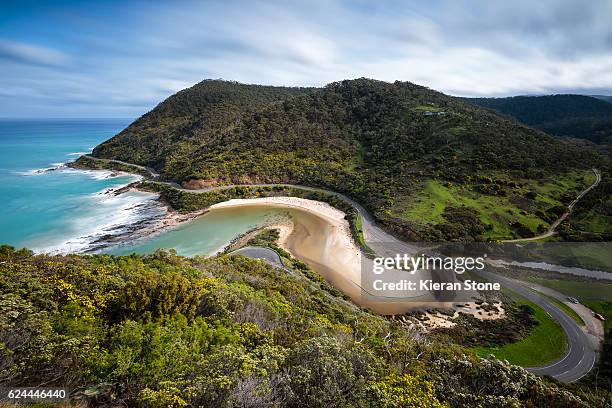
column 207, row 234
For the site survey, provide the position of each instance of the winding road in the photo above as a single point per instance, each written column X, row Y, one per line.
column 552, row 230
column 581, row 353
column 263, row 254
column 582, row 350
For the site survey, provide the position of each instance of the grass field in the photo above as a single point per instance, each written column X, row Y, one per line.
column 544, row 344
column 594, row 222
column 597, row 291
column 497, row 211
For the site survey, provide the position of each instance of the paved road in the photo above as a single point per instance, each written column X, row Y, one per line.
column 152, row 172
column 265, row 254
column 380, row 240
column 552, row 230
column 593, row 327
column 581, row 354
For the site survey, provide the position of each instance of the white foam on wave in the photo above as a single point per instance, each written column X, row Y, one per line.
column 34, row 172
column 102, row 213
column 93, row 174
column 78, row 153
column 108, row 215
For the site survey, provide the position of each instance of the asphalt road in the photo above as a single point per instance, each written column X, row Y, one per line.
column 581, row 354
column 264, row 254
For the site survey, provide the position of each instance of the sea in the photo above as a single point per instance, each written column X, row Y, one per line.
column 50, row 208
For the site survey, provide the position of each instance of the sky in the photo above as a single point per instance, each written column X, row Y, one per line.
column 121, row 58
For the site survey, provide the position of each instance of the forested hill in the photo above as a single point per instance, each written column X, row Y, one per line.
column 192, row 116
column 578, row 116
column 189, row 134
column 533, row 110
column 373, row 140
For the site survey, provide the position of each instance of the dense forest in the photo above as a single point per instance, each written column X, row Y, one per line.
column 377, row 142
column 166, row 331
column 577, row 116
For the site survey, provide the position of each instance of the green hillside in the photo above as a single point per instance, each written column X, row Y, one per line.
column 381, row 143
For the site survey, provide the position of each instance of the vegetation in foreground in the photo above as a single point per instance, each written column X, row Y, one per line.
column 163, row 330
column 380, row 143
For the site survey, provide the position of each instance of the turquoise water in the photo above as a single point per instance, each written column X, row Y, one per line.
column 209, row 233
column 61, row 210
column 50, row 208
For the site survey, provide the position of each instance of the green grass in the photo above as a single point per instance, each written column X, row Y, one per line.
column 428, row 205
column 597, row 296
column 589, row 178
column 573, row 181
column 544, row 344
column 593, row 222
column 357, row 225
column 427, row 108
column 497, row 211
column 584, row 291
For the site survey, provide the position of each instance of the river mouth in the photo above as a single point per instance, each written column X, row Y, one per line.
column 320, row 237
column 311, row 231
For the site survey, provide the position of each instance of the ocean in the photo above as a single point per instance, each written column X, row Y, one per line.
column 52, row 209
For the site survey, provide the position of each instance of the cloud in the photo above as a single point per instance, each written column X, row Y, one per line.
column 31, row 54
column 125, row 59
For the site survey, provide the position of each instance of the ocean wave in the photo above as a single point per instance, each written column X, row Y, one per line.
column 93, row 174
column 33, row 172
column 78, row 153
column 110, row 217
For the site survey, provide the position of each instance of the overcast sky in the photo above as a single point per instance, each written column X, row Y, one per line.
column 120, row 58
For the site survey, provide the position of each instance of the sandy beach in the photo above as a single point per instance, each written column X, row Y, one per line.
column 312, row 231
column 317, row 234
